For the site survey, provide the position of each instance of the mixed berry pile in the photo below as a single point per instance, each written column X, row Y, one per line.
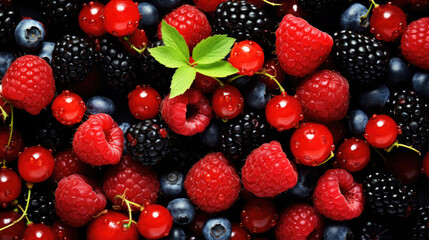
column 214, row 119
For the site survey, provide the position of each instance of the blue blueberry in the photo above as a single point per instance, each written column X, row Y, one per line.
column 6, row 59
column 166, row 5
column 420, row 83
column 338, row 231
column 171, row 183
column 256, row 96
column 29, row 35
column 176, row 233
column 357, row 122
column 398, row 72
column 149, row 16
column 351, row 18
column 100, row 104
column 46, row 50
column 182, row 210
column 373, row 101
column 217, row 229
column 210, row 136
column 307, row 179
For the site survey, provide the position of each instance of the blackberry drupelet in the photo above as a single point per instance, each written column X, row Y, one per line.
column 51, row 134
column 148, row 141
column 60, row 12
column 410, row 112
column 242, row 20
column 372, row 230
column 9, row 19
column 420, row 225
column 42, row 205
column 361, row 59
column 73, row 58
column 320, row 6
column 385, row 195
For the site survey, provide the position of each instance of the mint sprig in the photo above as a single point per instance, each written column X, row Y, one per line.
column 207, row 58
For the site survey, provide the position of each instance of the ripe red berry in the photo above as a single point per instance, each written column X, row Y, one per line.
column 138, row 39
column 259, row 215
column 381, row 131
column 15, row 231
column 207, row 5
column 405, row 165
column 247, row 56
column 238, row 232
column 39, row 231
column 227, row 102
column 353, row 155
column 121, row 17
column 63, row 231
column 388, row 22
column 36, row 164
column 205, row 83
column 112, row 226
column 196, row 226
column 283, row 112
column 144, row 102
column 89, row 18
column 155, row 222
column 10, row 185
column 68, row 108
column 272, row 67
column 15, row 145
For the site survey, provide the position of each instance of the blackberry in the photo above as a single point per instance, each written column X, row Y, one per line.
column 243, row 21
column 148, row 141
column 243, row 134
column 373, row 230
column 51, row 134
column 361, row 59
column 42, row 205
column 420, row 225
column 9, row 19
column 386, row 196
column 72, row 59
column 320, row 6
column 60, row 13
column 409, row 110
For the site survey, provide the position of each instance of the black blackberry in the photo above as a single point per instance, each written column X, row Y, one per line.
column 72, row 59
column 42, row 205
column 420, row 225
column 148, row 141
column 242, row 20
column 9, row 19
column 51, row 134
column 243, row 134
column 320, row 6
column 361, row 59
column 372, row 230
column 60, row 12
column 385, row 195
column 409, row 110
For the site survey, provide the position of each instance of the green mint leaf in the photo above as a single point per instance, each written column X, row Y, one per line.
column 212, row 49
column 172, row 38
column 168, row 56
column 217, row 69
column 182, row 80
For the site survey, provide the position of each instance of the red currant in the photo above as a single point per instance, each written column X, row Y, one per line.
column 89, row 18
column 272, row 67
column 15, row 231
column 227, row 102
column 205, row 83
column 259, row 215
column 311, row 144
column 121, row 17
column 426, row 164
column 291, row 7
column 247, row 56
column 36, row 164
column 405, row 165
column 338, row 130
column 239, row 233
column 138, row 39
column 63, row 231
column 155, row 222
column 10, row 185
column 112, row 226
column 353, row 155
column 283, row 112
column 196, row 226
column 381, row 131
column 388, row 22
column 68, row 108
column 15, row 145
column 39, row 231
column 144, row 102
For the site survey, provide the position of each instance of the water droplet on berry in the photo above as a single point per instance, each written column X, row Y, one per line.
column 7, row 193
column 324, row 140
column 312, row 131
column 230, row 108
column 125, row 227
column 4, row 205
column 60, row 233
column 115, row 33
column 32, row 159
column 357, row 164
column 314, row 163
column 307, row 157
column 277, row 106
column 91, row 3
column 221, row 197
column 106, row 221
column 130, row 25
column 39, row 162
column 297, row 160
column 93, row 22
column 84, row 20
column 227, row 98
column 207, row 177
column 297, row 144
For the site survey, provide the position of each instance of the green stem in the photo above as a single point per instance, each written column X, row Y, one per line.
column 369, row 10
column 380, row 154
column 219, row 81
column 139, row 51
column 235, row 77
column 23, row 214
column 130, row 215
column 329, row 158
column 263, row 72
column 23, row 211
column 271, row 3
column 397, row 145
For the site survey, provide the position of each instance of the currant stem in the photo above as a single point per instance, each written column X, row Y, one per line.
column 139, row 51
column 129, row 202
column 381, row 155
column 271, row 3
column 219, row 81
column 397, row 145
column 235, row 77
column 263, row 72
column 329, row 158
column 29, row 186
column 3, row 113
column 28, row 220
column 374, row 3
column 367, row 13
column 130, row 215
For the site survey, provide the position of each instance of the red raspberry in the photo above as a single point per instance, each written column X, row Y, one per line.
column 187, row 114
column 99, row 141
column 299, row 221
column 137, row 183
column 338, row 196
column 268, row 172
column 29, row 84
column 324, row 96
column 415, row 43
column 212, row 184
column 208, row 5
column 300, row 47
column 67, row 163
column 77, row 200
column 190, row 22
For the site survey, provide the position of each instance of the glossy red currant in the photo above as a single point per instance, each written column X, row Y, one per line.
column 247, row 56
column 36, row 164
column 259, row 215
column 15, row 231
column 155, row 222
column 381, row 131
column 136, row 43
column 121, row 17
column 68, row 108
column 205, row 83
column 89, row 18
column 39, row 232
column 15, row 146
column 405, row 165
column 283, row 112
column 353, row 155
column 227, row 102
column 238, row 232
column 10, row 185
column 272, row 67
column 387, row 22
column 144, row 102
column 112, row 226
column 63, row 231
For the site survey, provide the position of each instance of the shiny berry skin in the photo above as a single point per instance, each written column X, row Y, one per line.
column 387, row 22
column 405, row 165
column 247, row 56
column 138, row 39
column 16, row 144
column 291, row 7
column 227, row 102
column 155, row 222
column 381, row 131
column 239, row 233
column 63, row 231
column 144, row 102
column 121, row 17
column 353, row 155
column 259, row 215
column 272, row 67
column 311, row 144
column 426, row 164
column 89, row 19
column 283, row 112
column 68, row 108
column 205, row 83
column 36, row 164
column 112, row 226
column 14, row 232
column 10, row 185
column 39, row 231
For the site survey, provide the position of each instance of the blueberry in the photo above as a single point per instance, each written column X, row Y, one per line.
column 373, row 101
column 171, row 183
column 217, row 229
column 46, row 50
column 307, row 178
column 176, row 233
column 338, row 231
column 398, row 72
column 256, row 96
column 6, row 59
column 420, row 83
column 29, row 35
column 100, row 104
column 210, row 136
column 166, row 5
column 149, row 16
column 182, row 210
column 357, row 122
column 351, row 18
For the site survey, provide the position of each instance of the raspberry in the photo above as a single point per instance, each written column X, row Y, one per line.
column 212, row 184
column 29, row 84
column 300, row 47
column 415, row 43
column 187, row 114
column 190, row 22
column 99, row 141
column 77, row 200
column 137, row 183
column 66, row 164
column 324, row 96
column 299, row 221
column 338, row 196
column 268, row 172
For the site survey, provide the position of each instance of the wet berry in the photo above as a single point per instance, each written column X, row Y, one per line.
column 15, row 146
column 353, row 155
column 36, row 164
column 89, row 18
column 381, row 131
column 10, row 185
column 155, row 222
column 388, row 22
column 121, row 17
column 144, row 102
column 259, row 215
column 68, row 108
column 39, row 231
column 247, row 56
column 227, row 102
column 283, row 112
column 112, row 226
